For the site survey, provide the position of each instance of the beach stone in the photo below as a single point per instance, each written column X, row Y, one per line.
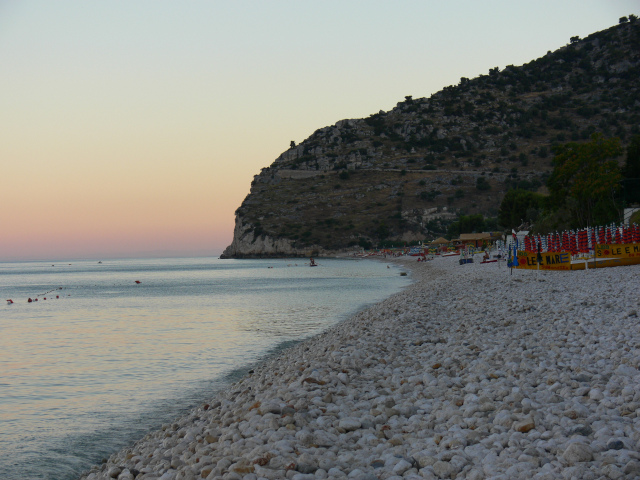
column 113, row 472
column 401, row 467
column 524, row 425
column 613, row 472
column 632, row 468
column 582, row 377
column 584, row 430
column 336, row 472
column 596, row 394
column 475, row 474
column 305, row 437
column 424, row 459
column 443, row 469
column 577, row 452
column 503, row 418
column 350, row 424
column 627, row 370
column 615, row 444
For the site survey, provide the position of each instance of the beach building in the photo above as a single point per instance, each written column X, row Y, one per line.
column 477, row 240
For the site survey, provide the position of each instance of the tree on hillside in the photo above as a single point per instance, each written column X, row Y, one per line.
column 519, row 206
column 482, row 184
column 467, row 224
column 586, row 179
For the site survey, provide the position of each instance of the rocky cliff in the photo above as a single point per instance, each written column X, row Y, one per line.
column 404, row 174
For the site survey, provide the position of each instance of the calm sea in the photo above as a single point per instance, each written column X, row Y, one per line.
column 105, row 359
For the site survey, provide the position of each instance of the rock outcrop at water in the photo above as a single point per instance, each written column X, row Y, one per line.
column 469, row 373
column 404, row 174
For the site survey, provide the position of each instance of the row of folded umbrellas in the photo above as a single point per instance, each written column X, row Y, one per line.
column 581, row 241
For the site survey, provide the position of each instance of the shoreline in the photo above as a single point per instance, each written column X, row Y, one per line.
column 468, row 372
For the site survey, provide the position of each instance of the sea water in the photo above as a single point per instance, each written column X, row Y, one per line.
column 120, row 347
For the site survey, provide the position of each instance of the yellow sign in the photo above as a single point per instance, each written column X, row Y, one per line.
column 618, row 250
column 548, row 260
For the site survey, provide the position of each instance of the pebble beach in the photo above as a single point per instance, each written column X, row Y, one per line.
column 468, row 373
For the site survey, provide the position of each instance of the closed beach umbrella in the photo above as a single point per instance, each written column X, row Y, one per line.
column 573, row 243
column 584, row 241
column 607, row 239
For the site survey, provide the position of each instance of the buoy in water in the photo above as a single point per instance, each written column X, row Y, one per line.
column 9, row 301
column 138, row 281
column 29, row 301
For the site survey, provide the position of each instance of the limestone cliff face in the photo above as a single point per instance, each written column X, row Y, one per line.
column 246, row 244
column 406, row 174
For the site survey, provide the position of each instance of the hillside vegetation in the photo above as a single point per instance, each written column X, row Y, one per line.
column 407, row 173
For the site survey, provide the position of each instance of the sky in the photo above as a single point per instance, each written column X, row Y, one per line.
column 134, row 129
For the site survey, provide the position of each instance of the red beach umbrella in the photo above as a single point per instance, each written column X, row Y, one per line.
column 527, row 243
column 583, row 241
column 573, row 243
column 607, row 238
column 593, row 239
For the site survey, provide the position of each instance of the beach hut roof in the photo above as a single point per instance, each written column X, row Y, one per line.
column 468, row 237
column 440, row 241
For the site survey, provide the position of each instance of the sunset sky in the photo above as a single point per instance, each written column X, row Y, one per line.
column 134, row 128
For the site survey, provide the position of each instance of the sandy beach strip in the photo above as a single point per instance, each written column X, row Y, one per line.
column 468, row 373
